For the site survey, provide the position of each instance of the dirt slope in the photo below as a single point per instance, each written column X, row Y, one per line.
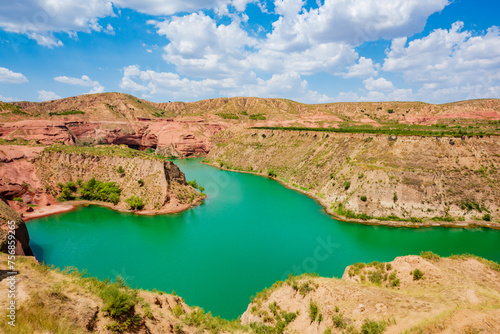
column 460, row 295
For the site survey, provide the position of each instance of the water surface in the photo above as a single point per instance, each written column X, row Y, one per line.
column 250, row 232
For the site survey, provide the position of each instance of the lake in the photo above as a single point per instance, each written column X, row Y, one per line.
column 250, row 232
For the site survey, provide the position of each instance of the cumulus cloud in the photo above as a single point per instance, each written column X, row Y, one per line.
column 84, row 81
column 44, row 95
column 8, row 99
column 449, row 64
column 39, row 19
column 162, row 7
column 170, row 85
column 379, row 84
column 364, row 68
column 198, row 46
column 347, row 21
column 9, row 76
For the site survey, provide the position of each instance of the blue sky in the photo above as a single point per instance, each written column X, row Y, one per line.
column 310, row 51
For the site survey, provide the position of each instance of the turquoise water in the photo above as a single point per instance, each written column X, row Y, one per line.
column 250, row 232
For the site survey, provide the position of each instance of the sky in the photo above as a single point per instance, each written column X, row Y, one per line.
column 311, row 51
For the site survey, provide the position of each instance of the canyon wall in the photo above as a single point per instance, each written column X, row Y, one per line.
column 361, row 176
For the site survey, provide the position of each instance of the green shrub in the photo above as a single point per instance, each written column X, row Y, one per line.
column 395, row 197
column 339, row 321
column 141, row 182
column 94, row 190
column 417, row 274
column 313, row 311
column 149, row 150
column 257, row 117
column 373, row 327
column 18, row 199
column 429, row 255
column 390, row 111
column 195, row 185
column 347, row 185
column 116, row 301
column 364, row 198
column 227, row 115
column 375, row 277
column 135, row 203
column 271, row 173
column 177, row 311
column 487, row 217
column 121, row 171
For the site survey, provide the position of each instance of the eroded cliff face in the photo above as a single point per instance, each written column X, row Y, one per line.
column 183, row 138
column 7, row 214
column 161, row 184
column 363, row 176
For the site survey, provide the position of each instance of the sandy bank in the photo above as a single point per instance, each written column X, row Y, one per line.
column 72, row 205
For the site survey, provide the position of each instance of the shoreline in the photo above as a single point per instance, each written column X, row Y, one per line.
column 55, row 209
column 372, row 222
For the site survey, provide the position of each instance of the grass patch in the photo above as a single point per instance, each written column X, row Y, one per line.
column 393, row 130
column 66, row 112
column 227, row 115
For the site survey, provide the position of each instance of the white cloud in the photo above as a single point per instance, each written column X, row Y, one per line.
column 200, row 47
column 9, row 76
column 347, row 21
column 379, row 84
column 39, row 19
column 162, row 7
column 84, row 81
column 449, row 64
column 241, row 5
column 167, row 85
column 44, row 95
column 8, row 99
column 364, row 68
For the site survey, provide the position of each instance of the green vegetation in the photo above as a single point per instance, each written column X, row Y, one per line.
column 141, row 182
column 487, row 217
column 102, row 151
column 95, row 190
column 470, row 205
column 339, row 321
column 66, row 112
column 429, row 255
column 394, row 130
column 313, row 311
column 373, row 327
column 206, row 321
column 347, row 185
column 227, row 115
column 271, row 173
column 341, row 211
column 363, row 198
column 135, row 203
column 195, row 185
column 492, row 264
column 18, row 199
column 92, row 190
column 121, row 171
column 14, row 109
column 257, row 117
column 417, row 274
